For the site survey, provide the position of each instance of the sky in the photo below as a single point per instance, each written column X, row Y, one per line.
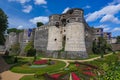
column 24, row 14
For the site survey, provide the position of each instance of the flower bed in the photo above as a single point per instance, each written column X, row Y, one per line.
column 56, row 76
column 89, row 73
column 74, row 76
column 39, row 62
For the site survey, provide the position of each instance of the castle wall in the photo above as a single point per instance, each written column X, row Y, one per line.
column 54, row 38
column 41, row 38
column 89, row 37
column 75, row 37
column 11, row 40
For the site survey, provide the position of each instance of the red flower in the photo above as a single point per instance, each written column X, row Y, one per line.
column 74, row 76
column 55, row 76
column 89, row 73
column 77, row 65
column 40, row 62
column 88, row 68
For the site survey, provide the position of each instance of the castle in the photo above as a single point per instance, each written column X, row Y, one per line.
column 65, row 36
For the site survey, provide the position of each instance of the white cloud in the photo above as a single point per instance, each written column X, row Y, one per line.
column 43, row 19
column 105, row 27
column 116, row 29
column 20, row 27
column 39, row 2
column 110, row 18
column 65, row 10
column 27, row 9
column 108, row 10
column 87, row 7
column 20, row 1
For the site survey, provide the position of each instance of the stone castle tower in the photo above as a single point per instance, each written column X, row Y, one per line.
column 65, row 36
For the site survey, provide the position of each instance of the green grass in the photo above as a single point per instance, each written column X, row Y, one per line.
column 31, row 77
column 24, row 68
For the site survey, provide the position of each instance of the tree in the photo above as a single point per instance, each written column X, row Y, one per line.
column 15, row 48
column 100, row 46
column 118, row 39
column 3, row 26
column 14, row 30
column 29, row 49
column 39, row 24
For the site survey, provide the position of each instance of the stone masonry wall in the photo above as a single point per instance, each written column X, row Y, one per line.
column 41, row 38
column 54, row 38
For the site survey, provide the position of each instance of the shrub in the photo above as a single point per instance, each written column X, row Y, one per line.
column 6, row 53
column 31, row 52
column 16, row 60
column 73, row 68
column 29, row 49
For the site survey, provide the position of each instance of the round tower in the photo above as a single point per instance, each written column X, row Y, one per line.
column 54, row 20
column 75, row 15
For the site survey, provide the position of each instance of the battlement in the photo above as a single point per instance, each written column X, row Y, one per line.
column 72, row 15
column 43, row 27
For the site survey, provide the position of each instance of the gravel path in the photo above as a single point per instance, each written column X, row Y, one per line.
column 8, row 75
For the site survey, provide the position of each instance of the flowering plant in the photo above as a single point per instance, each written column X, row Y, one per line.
column 40, row 62
column 89, row 73
column 74, row 76
column 55, row 76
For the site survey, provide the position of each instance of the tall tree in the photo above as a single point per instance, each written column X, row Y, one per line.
column 101, row 46
column 39, row 24
column 118, row 39
column 3, row 26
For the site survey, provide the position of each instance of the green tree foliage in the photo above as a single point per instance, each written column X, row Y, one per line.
column 39, row 24
column 3, row 26
column 29, row 49
column 118, row 39
column 101, row 46
column 14, row 30
column 15, row 48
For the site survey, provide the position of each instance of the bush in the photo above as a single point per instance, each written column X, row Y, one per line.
column 6, row 53
column 29, row 49
column 16, row 60
column 31, row 52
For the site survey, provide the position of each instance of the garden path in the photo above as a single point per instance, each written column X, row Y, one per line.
column 86, row 60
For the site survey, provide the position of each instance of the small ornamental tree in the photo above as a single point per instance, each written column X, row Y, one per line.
column 29, row 49
column 15, row 48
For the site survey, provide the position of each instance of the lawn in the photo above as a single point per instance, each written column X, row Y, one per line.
column 31, row 77
column 24, row 67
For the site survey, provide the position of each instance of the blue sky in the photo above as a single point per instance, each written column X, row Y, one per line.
column 97, row 13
